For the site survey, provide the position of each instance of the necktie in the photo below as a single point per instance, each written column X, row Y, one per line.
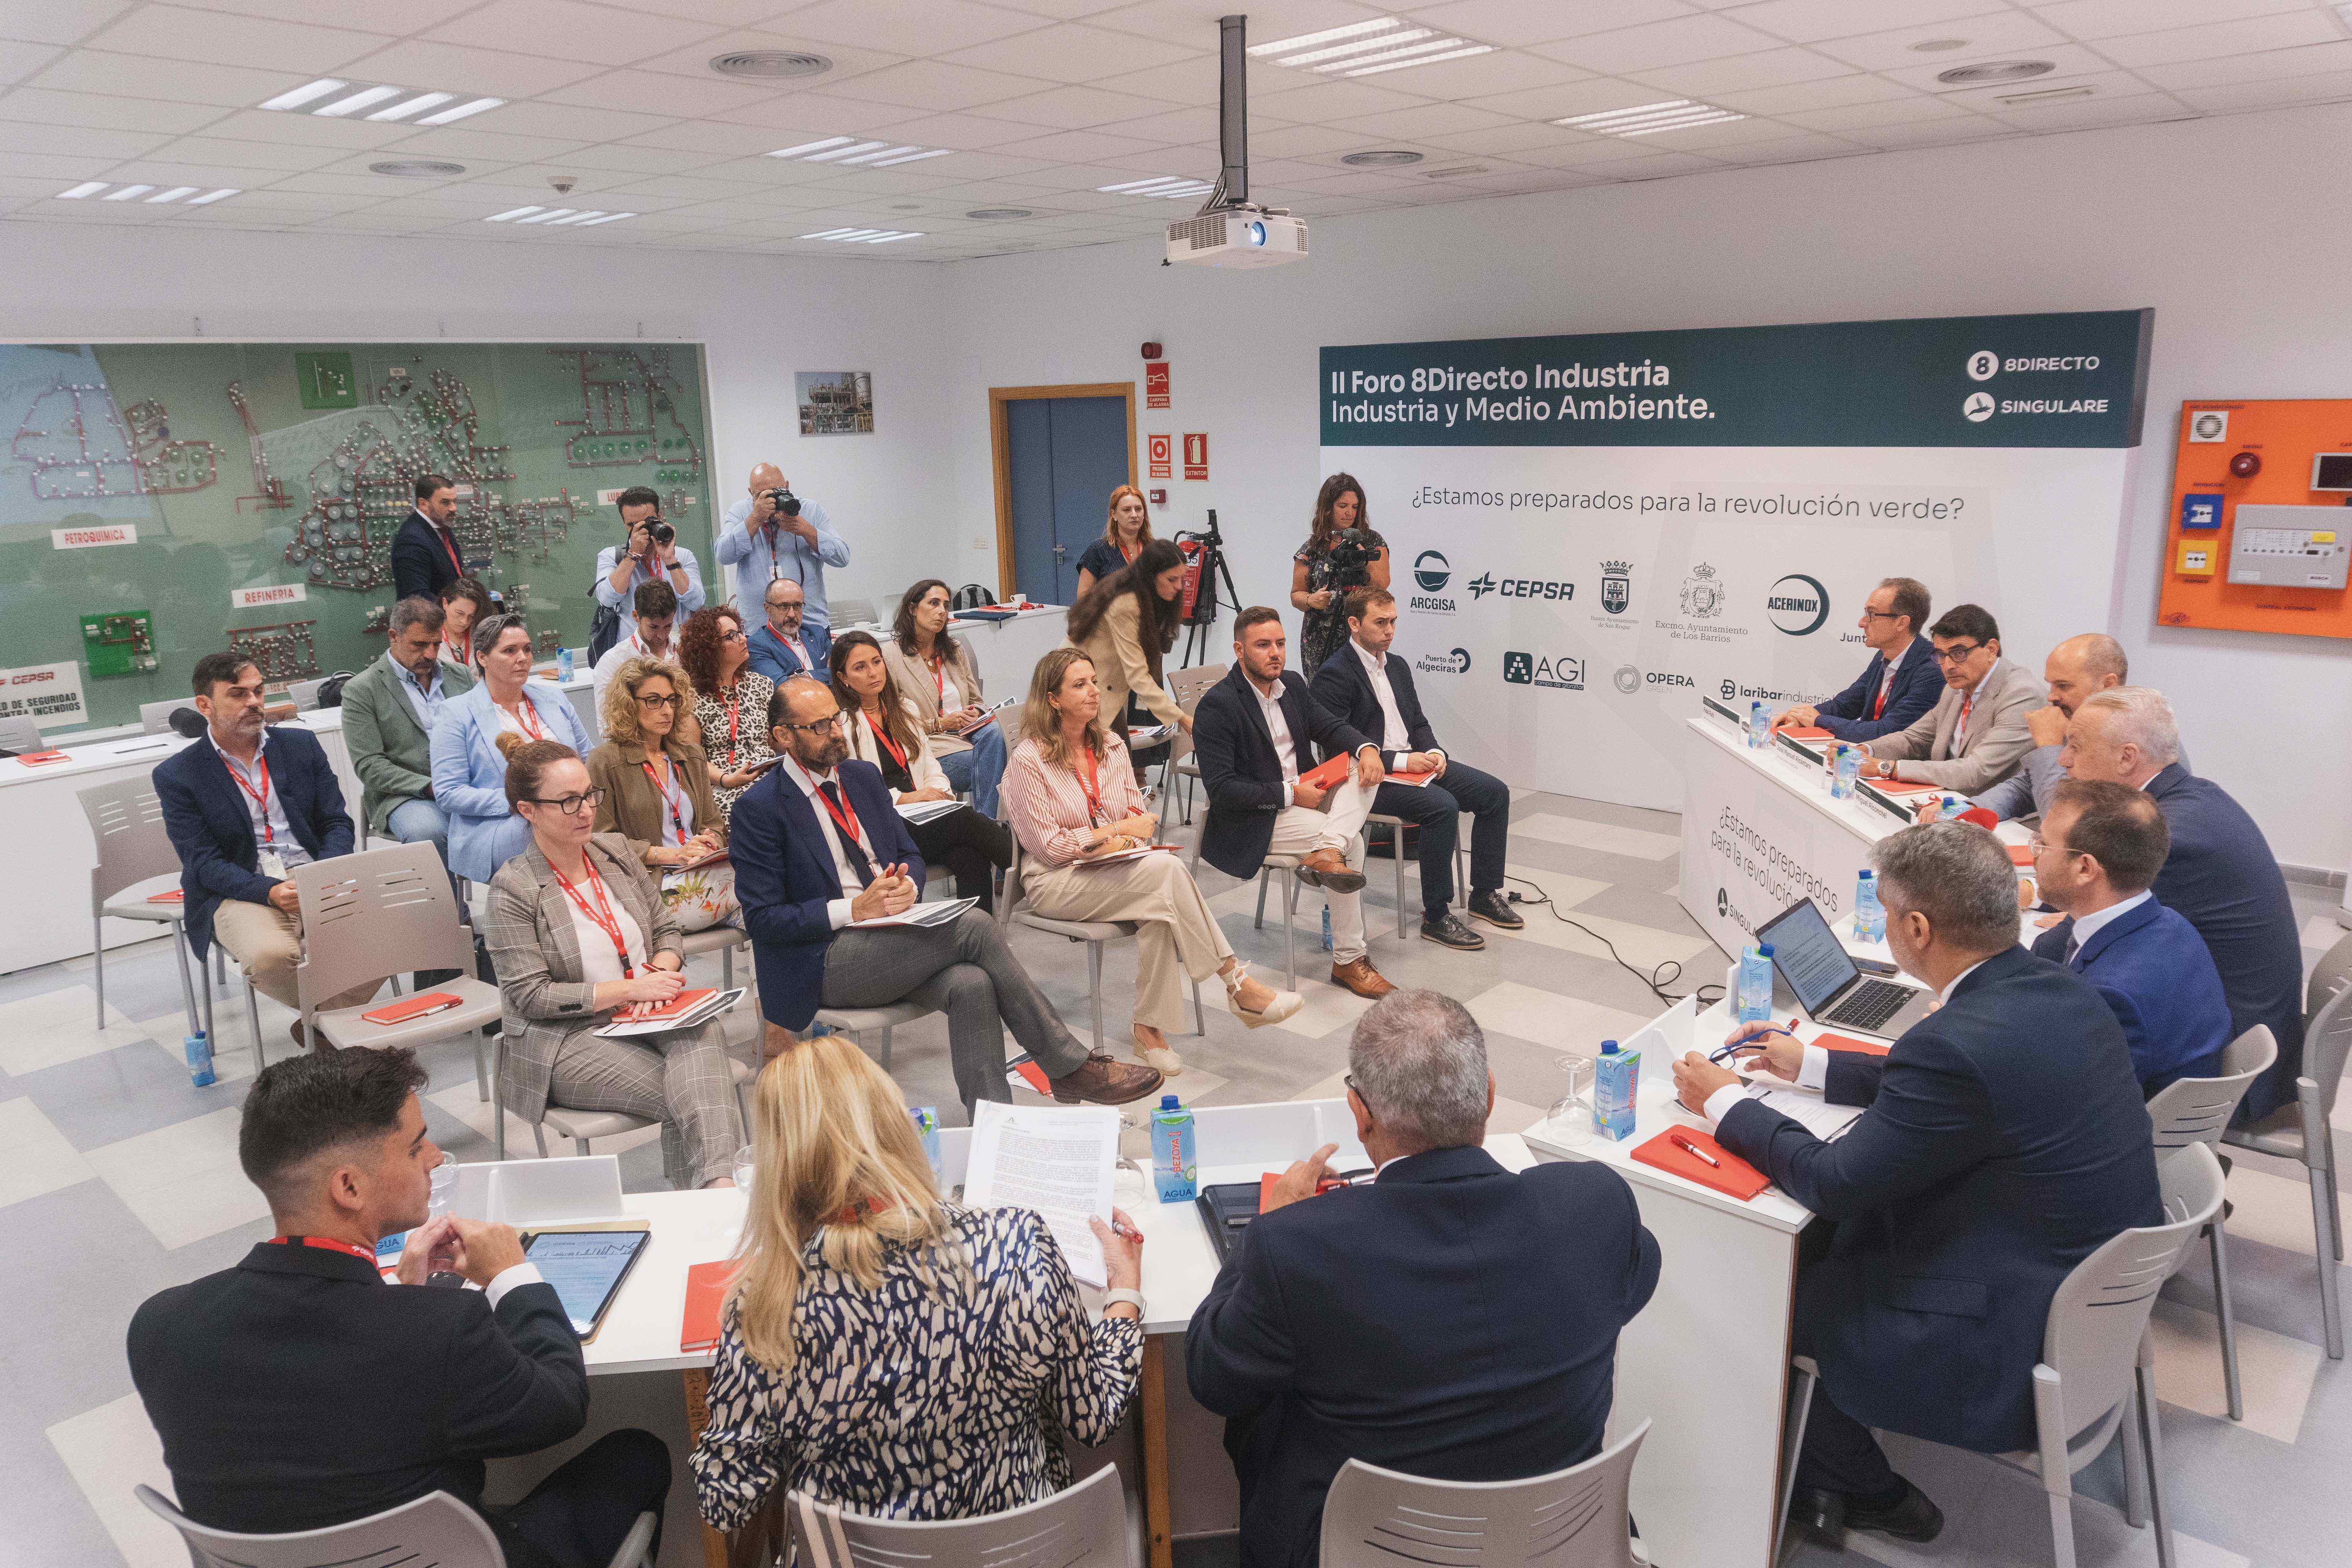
column 2072, row 947
column 850, row 849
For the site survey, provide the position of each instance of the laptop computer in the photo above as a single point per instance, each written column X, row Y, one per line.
column 1829, row 985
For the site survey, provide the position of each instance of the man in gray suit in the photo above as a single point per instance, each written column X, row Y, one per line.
column 1976, row 734
column 388, row 713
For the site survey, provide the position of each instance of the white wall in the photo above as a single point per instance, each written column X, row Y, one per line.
column 761, row 317
column 2212, row 222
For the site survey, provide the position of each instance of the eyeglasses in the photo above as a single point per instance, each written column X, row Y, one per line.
column 1958, row 655
column 2040, row 846
column 831, row 722
column 734, row 634
column 571, row 804
column 1871, row 614
column 651, row 699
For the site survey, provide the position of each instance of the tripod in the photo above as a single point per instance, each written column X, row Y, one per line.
column 1216, row 578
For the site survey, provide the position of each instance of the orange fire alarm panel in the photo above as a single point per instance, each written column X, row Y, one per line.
column 2259, row 533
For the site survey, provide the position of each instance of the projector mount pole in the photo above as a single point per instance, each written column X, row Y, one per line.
column 1233, row 114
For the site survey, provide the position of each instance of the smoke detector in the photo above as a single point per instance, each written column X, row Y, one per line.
column 1995, row 70
column 416, row 169
column 1381, row 157
column 769, row 65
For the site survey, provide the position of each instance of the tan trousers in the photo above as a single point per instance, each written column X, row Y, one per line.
column 266, row 943
column 1177, row 931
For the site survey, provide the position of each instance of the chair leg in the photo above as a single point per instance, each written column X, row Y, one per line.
column 1094, row 990
column 2062, row 1527
column 886, row 1046
column 1259, row 924
column 2229, row 1320
column 727, row 968
column 481, row 1066
column 2135, row 1467
column 1396, row 862
column 579, row 1147
column 2336, row 1216
column 2151, row 1439
column 187, row 984
column 1801, row 1410
column 1290, row 933
column 498, row 1097
column 538, row 1136
column 98, row 962
column 2331, row 1300
column 205, row 972
column 253, row 1011
column 1200, row 1014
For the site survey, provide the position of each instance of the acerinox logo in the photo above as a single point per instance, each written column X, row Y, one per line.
column 1628, row 680
column 1454, row 663
column 1432, row 571
column 1520, row 587
column 1565, row 673
column 1798, row 605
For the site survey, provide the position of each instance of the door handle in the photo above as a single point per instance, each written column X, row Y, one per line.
column 1060, row 551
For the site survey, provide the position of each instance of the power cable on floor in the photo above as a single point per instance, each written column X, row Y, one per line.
column 1658, row 979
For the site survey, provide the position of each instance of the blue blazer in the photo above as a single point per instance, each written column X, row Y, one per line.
column 2153, row 969
column 211, row 823
column 1343, row 687
column 769, row 656
column 469, row 775
column 785, row 878
column 1242, row 772
column 2004, row 1143
column 1919, row 682
column 1492, row 1322
column 2222, row 877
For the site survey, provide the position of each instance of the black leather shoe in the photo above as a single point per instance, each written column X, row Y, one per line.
column 1448, row 930
column 1913, row 1518
column 1496, row 910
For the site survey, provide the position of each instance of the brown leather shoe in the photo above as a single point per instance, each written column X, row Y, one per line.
column 1100, row 1080
column 1327, row 868
column 1361, row 978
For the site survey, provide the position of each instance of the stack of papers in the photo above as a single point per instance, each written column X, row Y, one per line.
column 682, row 1011
column 1135, row 854
column 1056, row 1160
column 989, row 718
column 939, row 914
column 924, row 810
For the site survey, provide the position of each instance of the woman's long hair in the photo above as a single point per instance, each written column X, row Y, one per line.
column 902, row 626
column 700, row 642
column 894, row 703
column 1156, row 619
column 1110, row 520
column 839, row 1164
column 1319, row 532
column 618, row 706
column 1041, row 724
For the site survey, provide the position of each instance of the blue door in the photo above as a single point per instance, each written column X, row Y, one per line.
column 1063, row 457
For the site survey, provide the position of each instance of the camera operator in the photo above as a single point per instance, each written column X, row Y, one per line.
column 1341, row 552
column 652, row 554
column 773, row 533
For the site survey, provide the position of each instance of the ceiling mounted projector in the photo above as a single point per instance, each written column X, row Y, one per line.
column 1231, row 231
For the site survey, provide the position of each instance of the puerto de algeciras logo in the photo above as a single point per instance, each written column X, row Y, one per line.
column 1616, row 585
column 1702, row 593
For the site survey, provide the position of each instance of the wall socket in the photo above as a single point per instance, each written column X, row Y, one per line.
column 980, row 542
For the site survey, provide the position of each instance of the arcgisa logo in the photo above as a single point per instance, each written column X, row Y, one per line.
column 1563, row 673
column 1454, row 663
column 1520, row 587
column 1432, row 571
column 1798, row 605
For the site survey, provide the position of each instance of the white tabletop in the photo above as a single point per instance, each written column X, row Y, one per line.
column 1810, row 782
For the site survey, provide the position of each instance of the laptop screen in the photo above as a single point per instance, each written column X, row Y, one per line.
column 1807, row 953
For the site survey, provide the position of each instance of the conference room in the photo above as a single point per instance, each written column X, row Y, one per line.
column 761, row 713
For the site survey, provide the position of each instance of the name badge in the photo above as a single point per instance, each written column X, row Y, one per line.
column 273, row 864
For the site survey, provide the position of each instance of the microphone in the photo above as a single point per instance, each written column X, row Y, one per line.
column 187, row 721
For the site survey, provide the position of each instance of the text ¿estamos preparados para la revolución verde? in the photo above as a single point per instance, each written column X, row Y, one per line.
column 1507, row 396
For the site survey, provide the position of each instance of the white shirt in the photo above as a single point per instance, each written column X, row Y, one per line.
column 508, row 1278
column 598, row 961
column 270, row 811
column 1815, row 1071
column 620, row 653
column 1394, row 736
column 836, row 911
column 1886, row 681
column 2088, row 926
column 1286, row 750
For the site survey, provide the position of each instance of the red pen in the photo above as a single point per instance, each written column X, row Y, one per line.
column 1681, row 1140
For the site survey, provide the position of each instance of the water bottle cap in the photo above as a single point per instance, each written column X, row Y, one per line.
column 1608, row 1048
column 1168, row 1103
column 1869, row 876
column 1764, row 951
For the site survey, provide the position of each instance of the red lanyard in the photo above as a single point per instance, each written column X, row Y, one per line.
column 882, row 734
column 845, row 815
column 1090, row 781
column 260, row 796
column 528, row 717
column 939, row 663
column 734, row 709
column 1878, row 708
column 327, row 1244
column 602, row 916
column 671, row 800
column 449, row 542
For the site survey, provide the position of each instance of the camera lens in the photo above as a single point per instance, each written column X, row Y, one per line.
column 663, row 533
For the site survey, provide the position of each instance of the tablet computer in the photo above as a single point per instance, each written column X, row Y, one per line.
column 586, row 1267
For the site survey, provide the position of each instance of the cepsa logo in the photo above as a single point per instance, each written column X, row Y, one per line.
column 1520, row 587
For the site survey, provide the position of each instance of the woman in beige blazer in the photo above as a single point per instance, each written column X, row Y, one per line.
column 937, row 673
column 1126, row 625
column 579, row 934
column 656, row 789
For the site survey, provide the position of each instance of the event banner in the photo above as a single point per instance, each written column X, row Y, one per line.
column 1587, row 532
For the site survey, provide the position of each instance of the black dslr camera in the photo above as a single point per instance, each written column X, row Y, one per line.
column 787, row 503
column 1351, row 558
column 662, row 532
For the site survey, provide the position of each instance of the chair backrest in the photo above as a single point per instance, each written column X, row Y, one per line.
column 154, row 718
column 126, row 818
column 1573, row 1518
column 2197, row 1110
column 435, row 1528
column 1185, row 687
column 973, row 596
column 849, row 612
column 2327, row 1031
column 22, row 733
column 1084, row 1527
column 374, row 915
column 1016, row 895
column 2092, row 1338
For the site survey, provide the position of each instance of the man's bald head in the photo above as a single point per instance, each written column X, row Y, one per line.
column 766, row 476
column 2081, row 664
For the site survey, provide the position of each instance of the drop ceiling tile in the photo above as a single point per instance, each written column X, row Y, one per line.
column 1654, row 166
column 1910, row 111
column 1727, row 133
column 143, row 76
column 1791, row 150
column 77, row 141
column 2276, row 64
column 447, row 67
column 687, row 188
column 309, row 131
column 933, row 85
column 105, row 112
column 62, row 166
column 1831, row 92
column 909, row 26
column 19, row 60
column 2083, row 113
column 463, row 143
column 566, row 29
column 1181, row 126
column 657, row 92
column 1194, row 22
column 251, row 155
column 2229, row 96
column 1071, row 146
column 1810, row 21
column 167, row 172
column 1330, row 101
column 58, row 21
column 2002, row 35
column 1515, row 22
column 566, row 122
column 1508, row 141
column 176, row 33
column 1074, row 54
column 708, row 136
column 1768, row 68
column 2103, row 84
column 615, row 155
column 2093, row 19
column 1302, row 140
column 1480, row 75
column 1582, row 152
column 1656, row 44
column 1423, row 120
column 1062, row 10
column 797, row 117
column 1079, row 108
column 1576, row 98
column 326, row 184
column 366, row 16
column 695, row 61
column 2253, row 35
column 965, row 133
column 1931, row 133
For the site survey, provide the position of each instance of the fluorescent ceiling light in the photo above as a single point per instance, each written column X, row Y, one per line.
column 175, row 193
column 888, row 238
column 845, row 152
column 307, row 94
column 417, row 105
column 829, row 234
column 1370, row 69
column 460, row 112
column 209, row 197
column 577, row 217
column 608, row 217
column 1359, row 45
column 885, row 153
column 1649, row 118
column 1721, row 117
column 812, row 147
column 512, row 212
column 1165, row 185
column 364, row 98
column 87, row 189
column 913, row 157
column 127, row 192
column 550, row 214
column 1637, row 111
column 1329, row 35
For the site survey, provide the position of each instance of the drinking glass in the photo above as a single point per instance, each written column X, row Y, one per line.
column 1571, row 1114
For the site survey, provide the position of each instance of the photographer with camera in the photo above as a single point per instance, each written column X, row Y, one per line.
column 773, row 533
column 1341, row 552
column 652, row 554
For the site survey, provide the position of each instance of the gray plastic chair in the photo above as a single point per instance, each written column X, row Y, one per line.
column 2096, row 1378
column 584, row 1126
column 1185, row 685
column 135, row 858
column 1574, row 1518
column 1094, row 933
column 723, row 939
column 1084, row 1527
column 435, row 1528
column 1396, row 825
column 849, row 613
column 859, row 1022
column 1290, row 886
column 2197, row 1110
column 2299, row 1131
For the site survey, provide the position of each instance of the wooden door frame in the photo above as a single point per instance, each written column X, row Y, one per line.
column 1000, row 443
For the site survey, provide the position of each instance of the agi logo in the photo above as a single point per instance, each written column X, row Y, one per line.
column 1798, row 605
column 1564, row 673
column 1432, row 571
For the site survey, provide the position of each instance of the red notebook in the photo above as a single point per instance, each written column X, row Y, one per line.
column 2021, row 855
column 409, row 1007
column 40, row 758
column 706, row 1292
column 1805, row 732
column 685, row 1000
column 1334, row 769
column 1734, row 1177
column 1902, row 786
column 176, row 896
column 1848, row 1043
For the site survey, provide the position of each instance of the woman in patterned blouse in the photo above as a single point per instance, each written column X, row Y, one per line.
column 881, row 1350
column 730, row 701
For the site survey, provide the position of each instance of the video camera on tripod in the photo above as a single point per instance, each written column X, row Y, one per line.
column 1207, row 578
column 1350, row 560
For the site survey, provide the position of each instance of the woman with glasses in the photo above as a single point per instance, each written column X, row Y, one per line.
column 886, row 730
column 657, row 790
column 730, row 701
column 579, row 938
column 937, row 670
column 469, row 772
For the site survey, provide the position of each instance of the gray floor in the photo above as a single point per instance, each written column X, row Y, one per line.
column 118, row 1178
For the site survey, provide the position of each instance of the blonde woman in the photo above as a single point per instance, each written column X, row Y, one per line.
column 657, row 791
column 1124, row 535
column 1072, row 800
column 890, row 1352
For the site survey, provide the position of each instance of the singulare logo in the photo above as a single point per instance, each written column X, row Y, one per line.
column 1563, row 673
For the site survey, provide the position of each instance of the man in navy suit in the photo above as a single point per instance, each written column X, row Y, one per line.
column 1447, row 1319
column 1901, row 681
column 786, row 645
column 424, row 558
column 1372, row 690
column 2100, row 847
column 243, row 806
column 2220, row 875
column 2004, row 1142
column 817, row 844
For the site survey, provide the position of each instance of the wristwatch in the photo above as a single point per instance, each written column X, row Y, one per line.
column 1132, row 1298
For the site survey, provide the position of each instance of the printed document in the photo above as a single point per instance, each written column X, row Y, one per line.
column 1053, row 1159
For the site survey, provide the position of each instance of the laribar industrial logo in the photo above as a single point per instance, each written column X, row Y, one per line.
column 1520, row 587
column 1432, row 571
column 1457, row 662
column 1564, row 673
column 1733, row 691
column 1616, row 585
column 1798, row 605
column 1702, row 593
